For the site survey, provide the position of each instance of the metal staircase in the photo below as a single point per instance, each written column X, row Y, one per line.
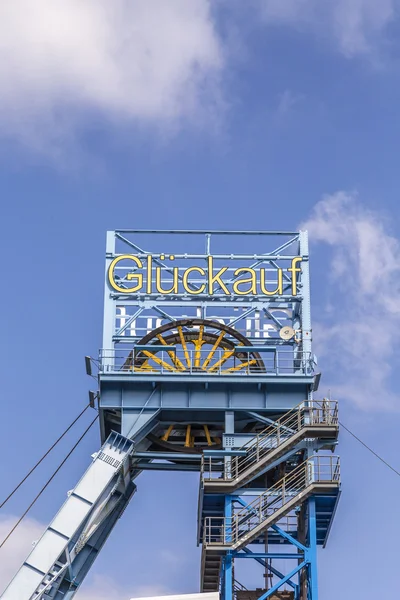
column 317, row 475
column 210, row 570
column 312, row 419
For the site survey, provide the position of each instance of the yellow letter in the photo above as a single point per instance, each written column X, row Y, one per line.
column 293, row 270
column 174, row 288
column 130, row 276
column 212, row 278
column 279, row 289
column 252, row 279
column 149, row 280
column 185, row 280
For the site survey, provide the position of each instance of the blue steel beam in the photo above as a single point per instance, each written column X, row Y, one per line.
column 284, row 580
column 277, row 555
column 264, row 563
column 312, row 552
column 289, row 538
column 213, row 232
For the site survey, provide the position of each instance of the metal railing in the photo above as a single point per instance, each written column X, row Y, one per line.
column 190, row 361
column 235, row 530
column 315, row 413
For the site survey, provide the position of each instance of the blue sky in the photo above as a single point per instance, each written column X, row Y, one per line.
column 147, row 114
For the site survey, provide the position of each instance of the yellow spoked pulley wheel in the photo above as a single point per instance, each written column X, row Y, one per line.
column 188, row 438
column 195, row 346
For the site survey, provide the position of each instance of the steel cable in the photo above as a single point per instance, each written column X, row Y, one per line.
column 44, row 456
column 370, row 449
column 48, row 482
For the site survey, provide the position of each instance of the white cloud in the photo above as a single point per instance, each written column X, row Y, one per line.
column 126, row 61
column 357, row 26
column 288, row 101
column 106, row 588
column 357, row 336
column 18, row 546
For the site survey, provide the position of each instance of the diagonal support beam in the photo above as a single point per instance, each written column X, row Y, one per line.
column 128, row 322
column 289, row 538
column 285, row 579
column 269, row 567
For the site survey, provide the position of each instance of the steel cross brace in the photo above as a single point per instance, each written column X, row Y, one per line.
column 308, row 553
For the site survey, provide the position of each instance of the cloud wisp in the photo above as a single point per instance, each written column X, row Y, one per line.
column 123, row 61
column 356, row 335
column 358, row 27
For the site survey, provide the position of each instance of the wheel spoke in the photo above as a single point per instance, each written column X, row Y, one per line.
column 179, row 364
column 159, row 361
column 184, row 346
column 167, row 433
column 213, row 349
column 226, row 355
column 241, row 366
column 188, row 440
column 198, row 344
column 208, row 436
column 143, row 367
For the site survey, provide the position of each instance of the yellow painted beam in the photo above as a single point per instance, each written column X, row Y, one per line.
column 213, row 349
column 208, row 436
column 167, row 433
column 172, row 354
column 187, row 441
column 184, row 346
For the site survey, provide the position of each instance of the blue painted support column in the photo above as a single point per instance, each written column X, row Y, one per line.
column 227, row 581
column 228, row 587
column 312, row 552
column 228, row 559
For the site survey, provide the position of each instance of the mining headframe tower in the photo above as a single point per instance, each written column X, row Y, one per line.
column 206, row 365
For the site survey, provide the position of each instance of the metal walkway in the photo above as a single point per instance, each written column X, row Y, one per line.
column 308, row 420
column 317, row 475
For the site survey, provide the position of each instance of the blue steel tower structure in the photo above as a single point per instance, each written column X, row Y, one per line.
column 206, row 365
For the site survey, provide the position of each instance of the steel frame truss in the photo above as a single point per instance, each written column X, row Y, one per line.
column 305, row 555
column 129, row 316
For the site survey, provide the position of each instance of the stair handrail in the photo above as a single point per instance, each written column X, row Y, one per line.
column 308, row 413
column 323, row 412
column 316, row 469
column 307, row 406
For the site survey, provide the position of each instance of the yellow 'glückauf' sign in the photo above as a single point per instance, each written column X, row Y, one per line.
column 146, row 278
